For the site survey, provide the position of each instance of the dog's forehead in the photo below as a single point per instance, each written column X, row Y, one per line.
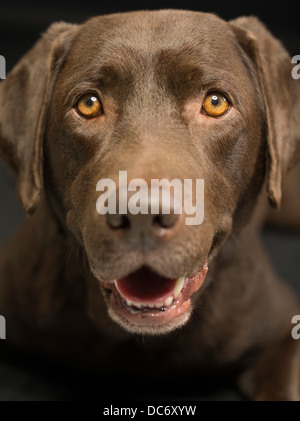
column 157, row 29
column 113, row 38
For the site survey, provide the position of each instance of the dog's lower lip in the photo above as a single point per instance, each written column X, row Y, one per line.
column 144, row 315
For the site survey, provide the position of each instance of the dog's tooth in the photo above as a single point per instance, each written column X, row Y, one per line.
column 116, row 285
column 178, row 287
column 168, row 301
column 144, row 305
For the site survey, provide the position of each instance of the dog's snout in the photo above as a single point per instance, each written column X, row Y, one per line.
column 166, row 221
column 155, row 222
column 152, row 222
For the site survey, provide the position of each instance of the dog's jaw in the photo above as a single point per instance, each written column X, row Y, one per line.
column 158, row 315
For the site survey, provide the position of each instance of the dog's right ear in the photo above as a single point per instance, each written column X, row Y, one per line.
column 281, row 97
column 24, row 98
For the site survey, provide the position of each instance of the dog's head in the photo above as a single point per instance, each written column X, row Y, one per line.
column 168, row 95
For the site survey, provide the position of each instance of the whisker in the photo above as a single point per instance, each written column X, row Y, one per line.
column 235, row 239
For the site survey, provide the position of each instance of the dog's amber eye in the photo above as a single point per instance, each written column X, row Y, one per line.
column 215, row 104
column 89, row 106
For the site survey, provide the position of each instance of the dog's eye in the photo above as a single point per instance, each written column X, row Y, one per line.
column 89, row 106
column 215, row 104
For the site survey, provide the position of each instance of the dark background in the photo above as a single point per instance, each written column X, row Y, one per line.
column 23, row 378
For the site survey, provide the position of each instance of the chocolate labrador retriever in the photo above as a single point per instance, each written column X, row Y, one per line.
column 161, row 95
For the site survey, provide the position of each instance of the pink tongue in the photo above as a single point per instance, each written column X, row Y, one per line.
column 145, row 286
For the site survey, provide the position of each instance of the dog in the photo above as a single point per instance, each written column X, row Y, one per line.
column 166, row 94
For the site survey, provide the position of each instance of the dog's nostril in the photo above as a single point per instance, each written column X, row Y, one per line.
column 116, row 221
column 165, row 220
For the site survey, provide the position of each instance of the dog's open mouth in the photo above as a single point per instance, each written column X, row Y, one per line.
column 147, row 299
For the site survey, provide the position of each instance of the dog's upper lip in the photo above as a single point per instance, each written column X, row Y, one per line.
column 108, row 284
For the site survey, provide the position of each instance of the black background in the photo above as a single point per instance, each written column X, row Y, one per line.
column 21, row 23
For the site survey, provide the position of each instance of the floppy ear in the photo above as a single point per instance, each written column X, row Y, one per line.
column 272, row 67
column 24, row 98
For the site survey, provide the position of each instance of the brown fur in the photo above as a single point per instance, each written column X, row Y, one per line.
column 151, row 70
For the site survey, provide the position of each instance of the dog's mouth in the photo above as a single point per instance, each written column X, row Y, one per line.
column 148, row 302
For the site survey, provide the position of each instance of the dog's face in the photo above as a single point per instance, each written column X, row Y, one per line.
column 168, row 94
column 134, row 95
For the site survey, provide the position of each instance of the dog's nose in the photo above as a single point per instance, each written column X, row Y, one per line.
column 163, row 223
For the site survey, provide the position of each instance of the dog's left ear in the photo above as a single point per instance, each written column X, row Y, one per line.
column 271, row 66
column 24, row 98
